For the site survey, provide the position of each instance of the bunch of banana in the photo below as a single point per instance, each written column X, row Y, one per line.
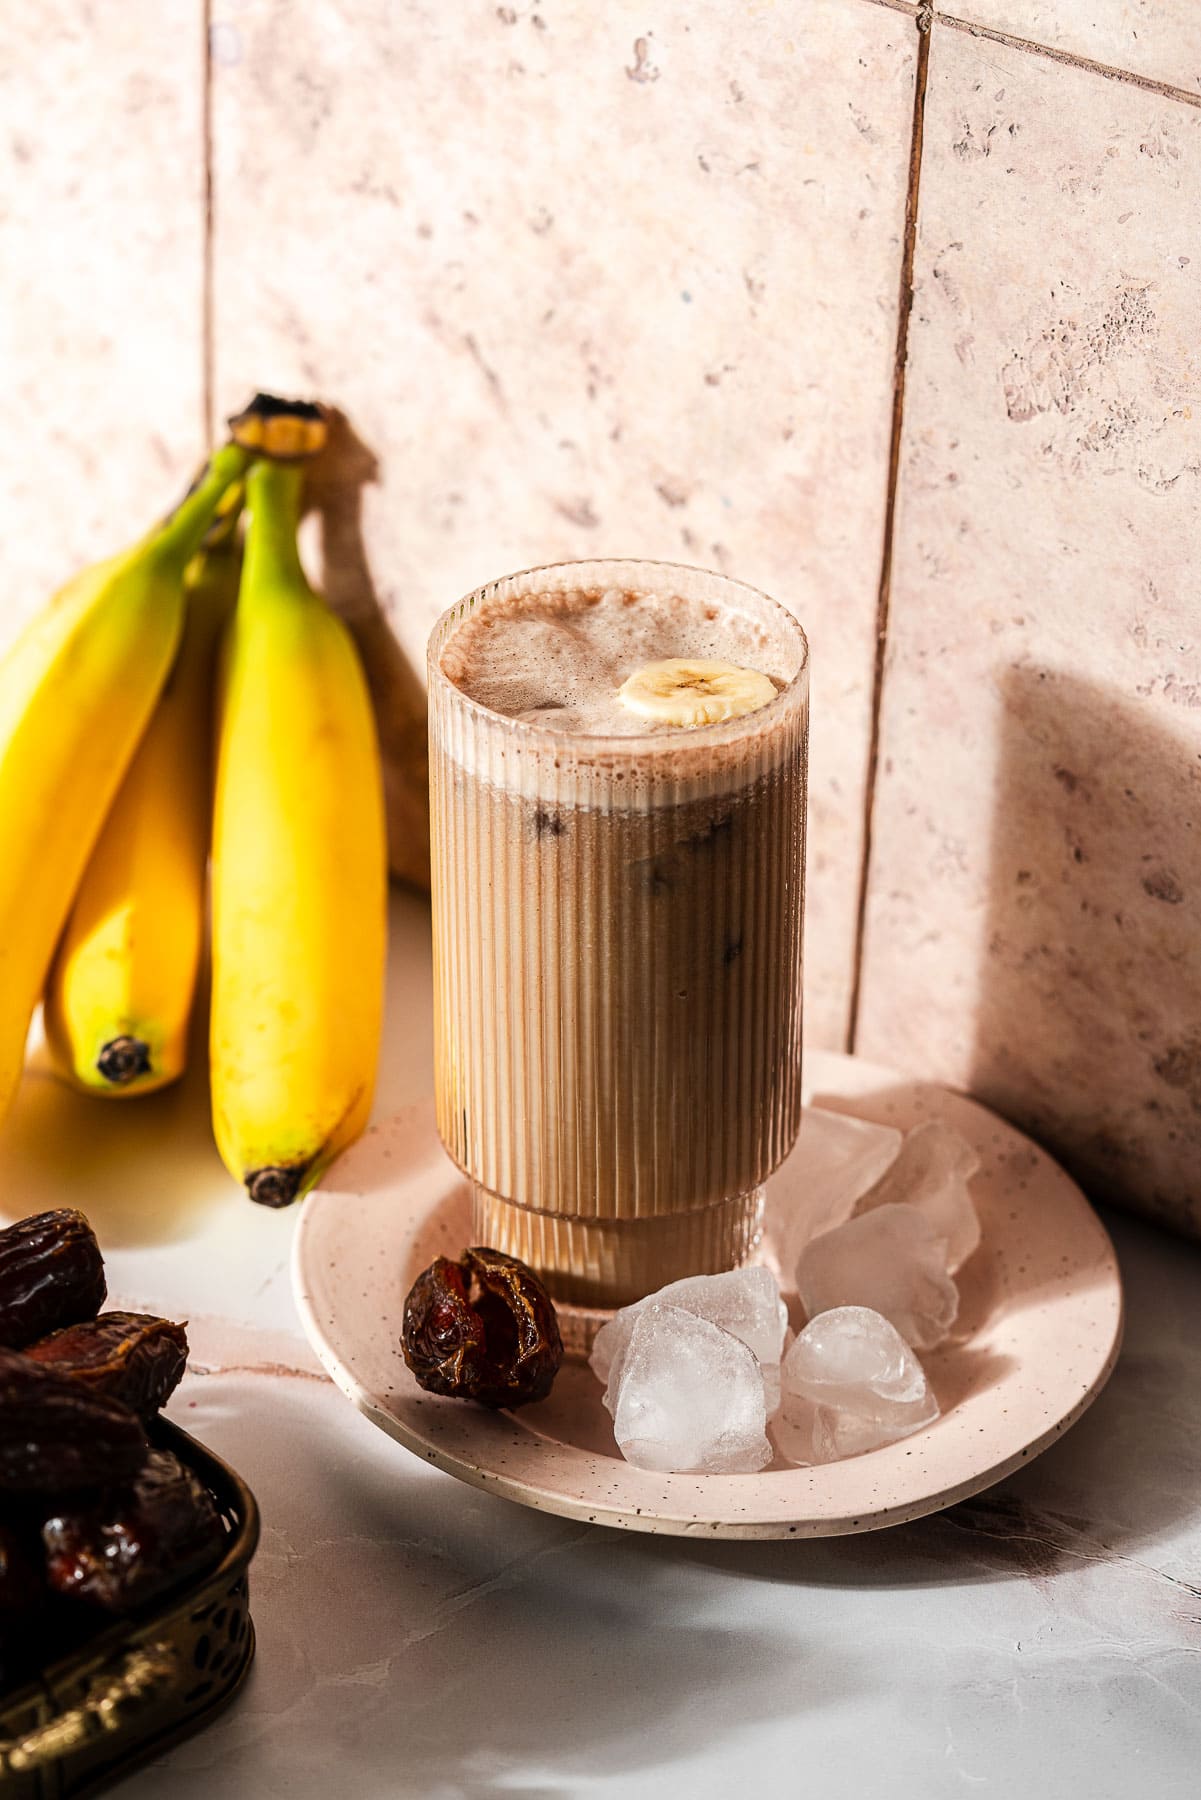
column 108, row 813
column 76, row 692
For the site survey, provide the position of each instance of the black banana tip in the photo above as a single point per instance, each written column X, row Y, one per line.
column 122, row 1060
column 274, row 1187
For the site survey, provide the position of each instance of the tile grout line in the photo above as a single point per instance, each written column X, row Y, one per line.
column 206, row 276
column 910, row 7
column 923, row 23
column 1068, row 59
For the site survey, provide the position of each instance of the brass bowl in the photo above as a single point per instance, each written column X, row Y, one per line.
column 139, row 1684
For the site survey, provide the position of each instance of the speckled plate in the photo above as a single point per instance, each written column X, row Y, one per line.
column 1039, row 1331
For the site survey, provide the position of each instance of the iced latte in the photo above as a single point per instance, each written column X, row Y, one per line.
column 618, row 759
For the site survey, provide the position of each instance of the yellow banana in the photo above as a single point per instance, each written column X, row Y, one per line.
column 299, row 882
column 76, row 691
column 123, row 979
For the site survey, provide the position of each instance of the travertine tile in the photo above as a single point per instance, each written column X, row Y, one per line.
column 101, row 242
column 1160, row 39
column 587, row 281
column 1035, row 904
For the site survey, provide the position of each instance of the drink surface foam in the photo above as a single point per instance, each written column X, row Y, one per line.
column 557, row 658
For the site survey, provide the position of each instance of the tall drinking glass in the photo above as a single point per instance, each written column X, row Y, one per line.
column 617, row 925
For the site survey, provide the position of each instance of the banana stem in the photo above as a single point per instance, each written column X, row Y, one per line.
column 273, row 563
column 182, row 532
column 228, row 516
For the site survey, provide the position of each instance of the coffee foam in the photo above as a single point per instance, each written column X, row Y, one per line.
column 553, row 658
column 557, row 659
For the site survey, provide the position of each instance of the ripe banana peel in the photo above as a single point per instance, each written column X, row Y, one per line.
column 123, row 980
column 299, row 872
column 76, row 692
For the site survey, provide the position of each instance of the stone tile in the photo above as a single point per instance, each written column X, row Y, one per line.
column 1035, row 898
column 101, row 242
column 1160, row 39
column 587, row 282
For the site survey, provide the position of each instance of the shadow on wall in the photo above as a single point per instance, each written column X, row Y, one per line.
column 335, row 493
column 1088, row 1025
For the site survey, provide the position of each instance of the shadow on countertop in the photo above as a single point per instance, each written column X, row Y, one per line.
column 145, row 1171
column 492, row 1650
column 433, row 1638
column 487, row 1641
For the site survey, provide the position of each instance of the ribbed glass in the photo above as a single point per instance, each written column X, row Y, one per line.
column 617, row 966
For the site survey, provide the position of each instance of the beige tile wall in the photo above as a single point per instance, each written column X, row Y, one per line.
column 590, row 281
column 1034, row 920
column 102, row 258
column 628, row 280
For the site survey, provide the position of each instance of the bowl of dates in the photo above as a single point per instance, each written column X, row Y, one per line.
column 124, row 1543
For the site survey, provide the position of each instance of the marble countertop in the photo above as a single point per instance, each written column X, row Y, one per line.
column 418, row 1637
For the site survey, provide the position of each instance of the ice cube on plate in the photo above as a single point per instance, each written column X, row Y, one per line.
column 835, row 1160
column 807, row 1434
column 850, row 1383
column 852, row 1359
column 932, row 1172
column 891, row 1260
column 689, row 1397
column 745, row 1302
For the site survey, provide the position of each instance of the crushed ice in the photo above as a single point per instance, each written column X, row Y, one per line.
column 835, row 1162
column 879, row 1226
column 890, row 1259
column 932, row 1172
column 850, row 1383
column 745, row 1302
column 690, row 1397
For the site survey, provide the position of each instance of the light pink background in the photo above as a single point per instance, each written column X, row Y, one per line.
column 629, row 281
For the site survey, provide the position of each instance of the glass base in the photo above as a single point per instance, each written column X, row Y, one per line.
column 596, row 1265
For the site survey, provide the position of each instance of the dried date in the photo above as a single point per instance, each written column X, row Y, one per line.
column 56, row 1437
column 133, row 1545
column 131, row 1357
column 482, row 1328
column 51, row 1274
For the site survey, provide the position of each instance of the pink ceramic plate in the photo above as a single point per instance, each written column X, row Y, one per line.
column 1041, row 1322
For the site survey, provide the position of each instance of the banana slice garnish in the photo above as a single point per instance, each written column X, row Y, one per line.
column 688, row 690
